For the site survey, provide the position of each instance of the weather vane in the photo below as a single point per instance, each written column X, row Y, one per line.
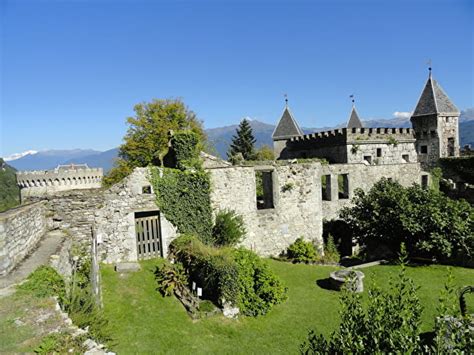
column 286, row 99
column 429, row 65
column 352, row 99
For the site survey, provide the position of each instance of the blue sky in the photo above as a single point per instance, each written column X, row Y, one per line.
column 71, row 71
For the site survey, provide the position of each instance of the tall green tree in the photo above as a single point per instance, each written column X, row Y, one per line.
column 243, row 142
column 146, row 140
column 9, row 190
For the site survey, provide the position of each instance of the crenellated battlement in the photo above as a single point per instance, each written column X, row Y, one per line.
column 63, row 178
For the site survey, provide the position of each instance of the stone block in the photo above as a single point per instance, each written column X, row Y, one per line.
column 127, row 267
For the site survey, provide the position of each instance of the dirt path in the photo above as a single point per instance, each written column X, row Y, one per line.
column 40, row 256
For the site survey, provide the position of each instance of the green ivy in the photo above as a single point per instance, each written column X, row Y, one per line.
column 184, row 198
column 185, row 149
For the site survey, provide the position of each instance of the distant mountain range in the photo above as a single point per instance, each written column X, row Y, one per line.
column 220, row 138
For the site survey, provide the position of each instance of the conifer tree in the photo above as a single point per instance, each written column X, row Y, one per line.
column 243, row 142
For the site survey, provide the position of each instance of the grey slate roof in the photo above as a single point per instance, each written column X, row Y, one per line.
column 286, row 127
column 434, row 100
column 354, row 120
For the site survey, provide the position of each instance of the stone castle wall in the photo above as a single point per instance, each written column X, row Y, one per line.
column 364, row 177
column 21, row 229
column 49, row 182
column 115, row 220
column 111, row 212
column 355, row 145
column 297, row 204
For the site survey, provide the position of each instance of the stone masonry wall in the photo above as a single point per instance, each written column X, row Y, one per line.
column 115, row 220
column 297, row 204
column 21, row 229
column 364, row 177
column 390, row 153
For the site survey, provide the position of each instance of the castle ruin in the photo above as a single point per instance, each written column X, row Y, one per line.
column 298, row 195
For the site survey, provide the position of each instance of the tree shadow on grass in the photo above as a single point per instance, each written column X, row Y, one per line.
column 325, row 284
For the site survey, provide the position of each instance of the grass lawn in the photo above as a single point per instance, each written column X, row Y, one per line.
column 144, row 322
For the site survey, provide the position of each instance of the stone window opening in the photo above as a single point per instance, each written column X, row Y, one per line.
column 146, row 190
column 379, row 152
column 326, row 187
column 368, row 158
column 424, row 181
column 451, row 147
column 264, row 189
column 343, row 185
column 406, row 158
column 433, row 134
column 424, row 149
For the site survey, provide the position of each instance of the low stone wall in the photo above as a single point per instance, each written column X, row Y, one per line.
column 20, row 230
column 296, row 200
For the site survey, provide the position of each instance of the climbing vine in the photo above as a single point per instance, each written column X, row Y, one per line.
column 184, row 198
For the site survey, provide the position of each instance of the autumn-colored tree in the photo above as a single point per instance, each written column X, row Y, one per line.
column 146, row 141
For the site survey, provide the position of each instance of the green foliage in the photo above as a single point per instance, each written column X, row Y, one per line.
column 429, row 223
column 287, row 187
column 170, row 277
column 259, row 288
column 60, row 343
column 82, row 306
column 264, row 153
column 213, row 269
column 462, row 167
column 229, row 228
column 119, row 172
column 390, row 323
column 452, row 331
column 9, row 190
column 237, row 276
column 302, row 251
column 184, row 152
column 392, row 140
column 184, row 198
column 436, row 175
column 146, row 141
column 44, row 282
column 331, row 254
column 243, row 142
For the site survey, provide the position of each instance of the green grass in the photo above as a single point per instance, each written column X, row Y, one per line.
column 144, row 322
column 25, row 309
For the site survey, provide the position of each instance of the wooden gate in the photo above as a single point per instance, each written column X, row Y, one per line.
column 148, row 231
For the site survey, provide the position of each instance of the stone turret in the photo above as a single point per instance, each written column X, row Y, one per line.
column 436, row 124
column 286, row 128
column 63, row 178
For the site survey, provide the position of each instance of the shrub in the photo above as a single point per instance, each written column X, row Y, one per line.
column 44, row 282
column 170, row 277
column 331, row 254
column 213, row 269
column 429, row 223
column 302, row 251
column 61, row 343
column 391, row 323
column 235, row 276
column 229, row 229
column 259, row 288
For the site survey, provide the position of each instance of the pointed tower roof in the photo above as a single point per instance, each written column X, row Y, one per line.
column 354, row 120
column 433, row 100
column 287, row 127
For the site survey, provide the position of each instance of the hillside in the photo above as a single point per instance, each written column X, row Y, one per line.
column 9, row 191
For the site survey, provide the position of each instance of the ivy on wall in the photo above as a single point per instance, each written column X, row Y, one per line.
column 184, row 151
column 184, row 198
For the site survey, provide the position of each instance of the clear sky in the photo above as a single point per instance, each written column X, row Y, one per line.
column 71, row 71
